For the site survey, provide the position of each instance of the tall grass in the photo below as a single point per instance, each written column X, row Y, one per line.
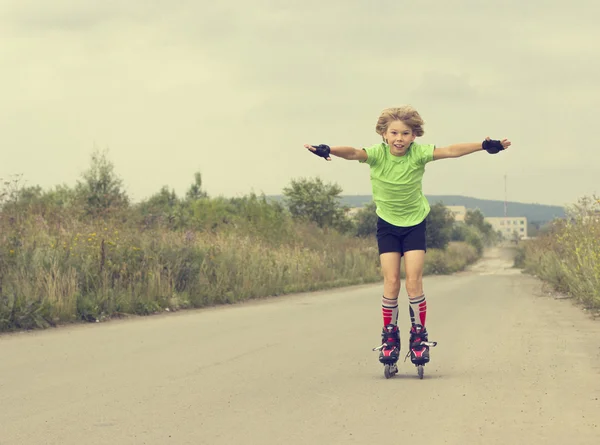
column 85, row 271
column 58, row 266
column 568, row 255
column 454, row 258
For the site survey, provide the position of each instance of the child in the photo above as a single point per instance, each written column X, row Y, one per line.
column 397, row 166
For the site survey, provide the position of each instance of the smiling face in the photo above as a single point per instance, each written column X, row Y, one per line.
column 398, row 136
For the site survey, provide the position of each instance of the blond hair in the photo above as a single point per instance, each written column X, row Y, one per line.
column 407, row 114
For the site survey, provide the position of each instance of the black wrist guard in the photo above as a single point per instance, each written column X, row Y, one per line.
column 322, row 150
column 492, row 147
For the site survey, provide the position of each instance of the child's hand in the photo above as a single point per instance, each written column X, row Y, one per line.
column 494, row 146
column 320, row 150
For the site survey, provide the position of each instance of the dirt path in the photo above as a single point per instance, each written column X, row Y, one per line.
column 512, row 366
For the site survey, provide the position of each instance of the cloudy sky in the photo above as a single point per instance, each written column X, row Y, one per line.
column 233, row 89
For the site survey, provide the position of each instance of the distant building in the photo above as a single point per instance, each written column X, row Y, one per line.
column 459, row 212
column 509, row 225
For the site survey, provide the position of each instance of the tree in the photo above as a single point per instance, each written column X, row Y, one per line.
column 163, row 201
column 366, row 220
column 476, row 219
column 195, row 191
column 533, row 228
column 161, row 206
column 101, row 189
column 439, row 226
column 313, row 200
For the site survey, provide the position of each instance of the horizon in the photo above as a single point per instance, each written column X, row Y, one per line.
column 270, row 195
column 454, row 196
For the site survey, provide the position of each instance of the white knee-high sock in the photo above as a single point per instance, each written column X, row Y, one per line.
column 418, row 310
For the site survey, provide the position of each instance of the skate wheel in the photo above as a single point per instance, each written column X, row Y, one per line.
column 389, row 370
column 420, row 370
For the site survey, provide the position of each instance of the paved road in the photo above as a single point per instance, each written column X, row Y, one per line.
column 512, row 366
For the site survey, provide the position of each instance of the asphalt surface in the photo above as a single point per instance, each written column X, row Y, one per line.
column 512, row 365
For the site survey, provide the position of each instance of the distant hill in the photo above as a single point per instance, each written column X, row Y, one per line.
column 540, row 213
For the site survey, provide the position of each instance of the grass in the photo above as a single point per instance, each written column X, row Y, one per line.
column 568, row 255
column 59, row 273
column 454, row 258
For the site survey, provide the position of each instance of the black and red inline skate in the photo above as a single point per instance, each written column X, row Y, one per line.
column 389, row 350
column 419, row 348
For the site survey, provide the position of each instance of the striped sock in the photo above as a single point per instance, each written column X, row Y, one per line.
column 418, row 310
column 389, row 309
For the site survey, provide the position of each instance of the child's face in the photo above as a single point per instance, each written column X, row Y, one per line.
column 399, row 137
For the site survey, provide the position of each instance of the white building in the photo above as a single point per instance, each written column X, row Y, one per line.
column 509, row 225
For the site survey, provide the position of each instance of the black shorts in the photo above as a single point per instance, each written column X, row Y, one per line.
column 391, row 238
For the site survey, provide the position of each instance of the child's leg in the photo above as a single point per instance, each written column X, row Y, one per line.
column 389, row 246
column 414, row 262
column 414, row 246
column 390, row 267
column 389, row 255
column 390, row 335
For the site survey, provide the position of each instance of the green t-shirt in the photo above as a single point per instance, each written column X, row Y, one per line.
column 397, row 183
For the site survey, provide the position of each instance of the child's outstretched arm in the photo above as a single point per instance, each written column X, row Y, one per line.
column 350, row 153
column 458, row 150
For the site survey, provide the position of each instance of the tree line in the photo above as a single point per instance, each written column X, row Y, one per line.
column 100, row 194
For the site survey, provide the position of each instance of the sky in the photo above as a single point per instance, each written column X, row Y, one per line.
column 234, row 89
